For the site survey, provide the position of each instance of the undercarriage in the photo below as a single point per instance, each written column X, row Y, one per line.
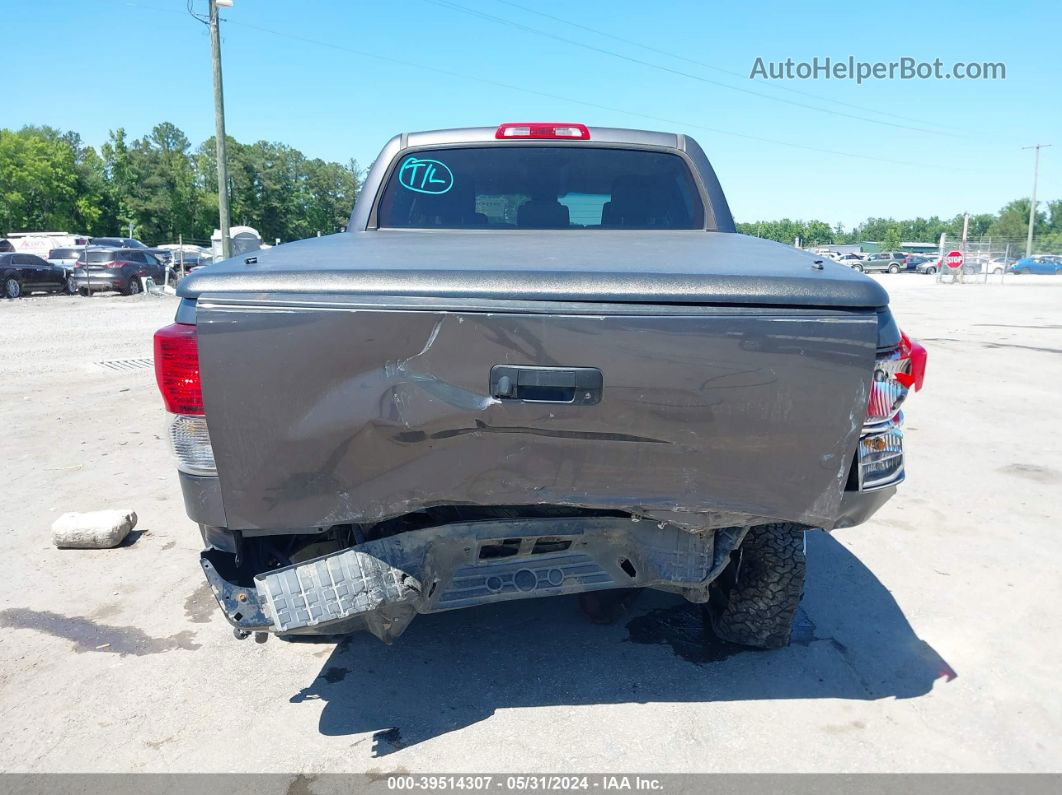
column 349, row 577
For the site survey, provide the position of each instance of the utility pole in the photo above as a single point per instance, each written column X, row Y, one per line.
column 1032, row 204
column 219, row 128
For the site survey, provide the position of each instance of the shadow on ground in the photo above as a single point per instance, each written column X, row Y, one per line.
column 450, row 670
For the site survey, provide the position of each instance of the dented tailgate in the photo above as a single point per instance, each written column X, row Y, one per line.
column 332, row 409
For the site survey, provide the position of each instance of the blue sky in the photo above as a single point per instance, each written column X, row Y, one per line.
column 302, row 72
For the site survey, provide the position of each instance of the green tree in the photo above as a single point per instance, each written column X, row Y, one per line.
column 38, row 181
column 121, row 178
column 1012, row 222
column 816, row 233
column 162, row 203
column 891, row 240
column 1053, row 223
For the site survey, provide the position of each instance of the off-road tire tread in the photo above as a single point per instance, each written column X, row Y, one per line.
column 761, row 606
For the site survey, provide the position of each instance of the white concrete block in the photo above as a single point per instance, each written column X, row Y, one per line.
column 92, row 530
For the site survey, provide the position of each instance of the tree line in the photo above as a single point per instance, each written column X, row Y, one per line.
column 50, row 180
column 1010, row 224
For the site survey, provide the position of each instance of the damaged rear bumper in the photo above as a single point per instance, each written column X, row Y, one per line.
column 380, row 585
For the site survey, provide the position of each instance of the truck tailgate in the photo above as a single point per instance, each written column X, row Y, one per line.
column 324, row 410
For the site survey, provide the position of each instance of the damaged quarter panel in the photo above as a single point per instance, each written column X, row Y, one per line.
column 344, row 410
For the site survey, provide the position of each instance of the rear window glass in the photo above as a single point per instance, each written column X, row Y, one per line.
column 65, row 253
column 541, row 187
column 100, row 256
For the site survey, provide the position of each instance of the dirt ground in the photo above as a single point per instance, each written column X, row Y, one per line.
column 929, row 639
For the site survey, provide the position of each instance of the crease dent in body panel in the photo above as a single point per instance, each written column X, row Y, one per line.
column 385, row 384
column 455, row 396
column 825, row 505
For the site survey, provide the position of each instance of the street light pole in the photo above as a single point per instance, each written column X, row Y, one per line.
column 1032, row 204
column 219, row 130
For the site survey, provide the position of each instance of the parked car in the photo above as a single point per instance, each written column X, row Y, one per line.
column 116, row 242
column 849, row 258
column 1043, row 264
column 407, row 418
column 914, row 260
column 118, row 269
column 891, row 261
column 66, row 258
column 22, row 274
column 975, row 263
column 192, row 262
column 930, row 265
column 999, row 265
column 163, row 255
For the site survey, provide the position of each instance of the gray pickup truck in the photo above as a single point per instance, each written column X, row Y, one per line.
column 539, row 362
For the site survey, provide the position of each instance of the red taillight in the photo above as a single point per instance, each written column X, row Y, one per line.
column 116, row 264
column 894, row 375
column 177, row 368
column 572, row 132
column 913, row 351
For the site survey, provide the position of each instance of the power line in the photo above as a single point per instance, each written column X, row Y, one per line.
column 678, row 57
column 612, row 53
column 598, row 106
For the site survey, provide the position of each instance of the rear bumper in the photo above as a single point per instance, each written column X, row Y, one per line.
column 202, row 499
column 101, row 282
column 858, row 506
column 381, row 585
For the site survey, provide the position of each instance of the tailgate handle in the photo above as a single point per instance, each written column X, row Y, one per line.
column 578, row 385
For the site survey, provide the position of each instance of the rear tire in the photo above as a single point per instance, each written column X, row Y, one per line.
column 134, row 286
column 755, row 604
column 84, row 292
column 12, row 287
column 69, row 287
column 894, row 269
column 931, row 271
column 858, row 268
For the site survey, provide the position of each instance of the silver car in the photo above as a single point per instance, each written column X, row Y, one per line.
column 66, row 258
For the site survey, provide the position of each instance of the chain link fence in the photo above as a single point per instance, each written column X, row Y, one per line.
column 988, row 260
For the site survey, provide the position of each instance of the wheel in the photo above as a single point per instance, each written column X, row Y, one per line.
column 12, row 288
column 894, row 269
column 68, row 286
column 998, row 271
column 858, row 268
column 756, row 601
column 931, row 270
column 84, row 292
column 134, row 286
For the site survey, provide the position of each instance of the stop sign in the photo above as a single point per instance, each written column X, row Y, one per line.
column 953, row 259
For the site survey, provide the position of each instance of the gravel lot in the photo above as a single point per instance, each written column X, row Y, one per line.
column 930, row 639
